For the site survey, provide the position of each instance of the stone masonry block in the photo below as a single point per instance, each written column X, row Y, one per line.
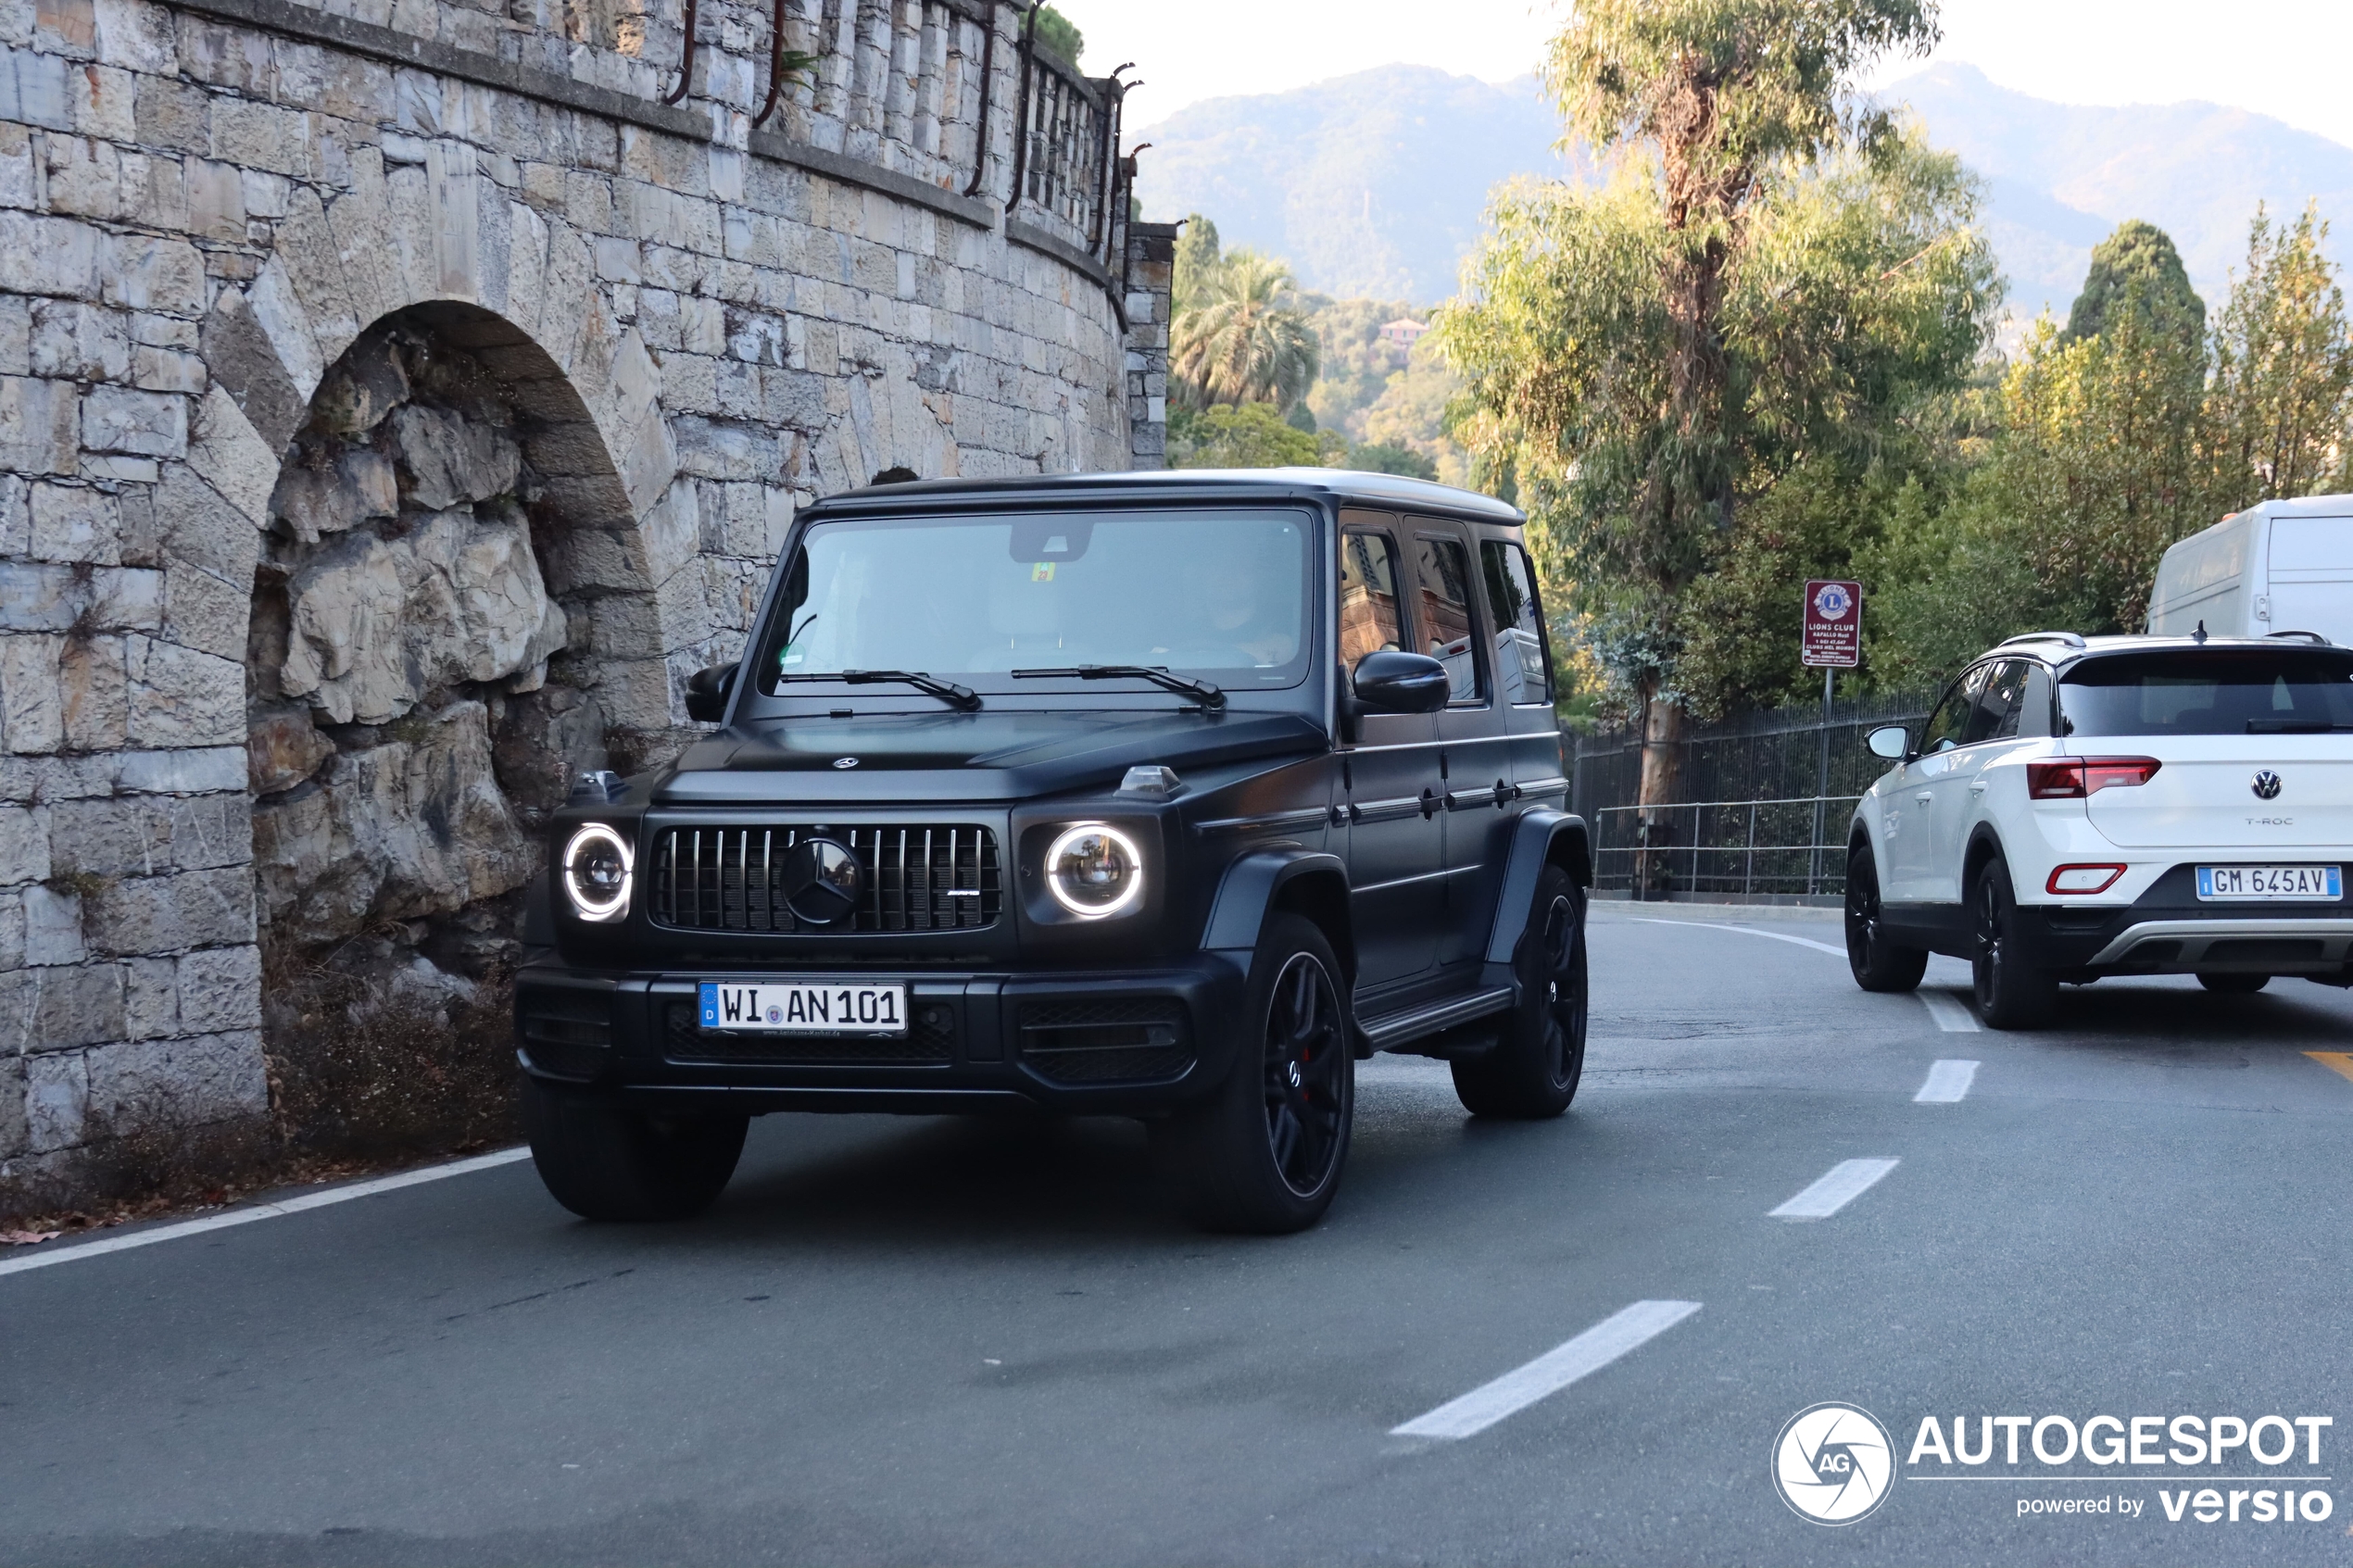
column 148, row 836
column 176, row 1083
column 40, row 425
column 52, row 1010
column 221, row 989
column 181, row 697
column 24, row 844
column 53, row 927
column 56, row 1101
column 168, row 914
column 151, row 999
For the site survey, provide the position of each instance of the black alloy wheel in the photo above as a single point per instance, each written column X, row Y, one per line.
column 1877, row 963
column 2013, row 992
column 1306, row 1059
column 1533, row 1069
column 1263, row 1154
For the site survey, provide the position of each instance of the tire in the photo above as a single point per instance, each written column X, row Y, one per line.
column 1262, row 1155
column 2234, row 984
column 1879, row 964
column 1531, row 1073
column 2013, row 992
column 605, row 1162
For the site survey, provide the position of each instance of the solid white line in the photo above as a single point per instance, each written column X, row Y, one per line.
column 1951, row 1013
column 44, row 1258
column 1947, row 1083
column 1550, row 1372
column 1847, row 1181
column 1745, row 931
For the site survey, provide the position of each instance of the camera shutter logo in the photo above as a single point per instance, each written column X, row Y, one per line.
column 1833, row 1463
column 2265, row 785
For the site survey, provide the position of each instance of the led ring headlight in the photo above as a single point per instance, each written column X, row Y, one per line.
column 597, row 873
column 1095, row 872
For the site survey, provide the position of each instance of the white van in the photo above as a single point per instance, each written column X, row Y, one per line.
column 2282, row 566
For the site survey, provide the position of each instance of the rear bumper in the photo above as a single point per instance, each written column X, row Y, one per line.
column 2168, row 931
column 1115, row 1043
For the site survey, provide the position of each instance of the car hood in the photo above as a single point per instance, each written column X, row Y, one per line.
column 1004, row 755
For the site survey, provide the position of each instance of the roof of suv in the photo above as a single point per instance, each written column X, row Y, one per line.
column 2059, row 649
column 1338, row 485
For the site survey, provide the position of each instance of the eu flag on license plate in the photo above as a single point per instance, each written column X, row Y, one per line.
column 709, row 1005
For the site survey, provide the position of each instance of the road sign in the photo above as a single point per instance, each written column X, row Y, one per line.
column 1834, row 626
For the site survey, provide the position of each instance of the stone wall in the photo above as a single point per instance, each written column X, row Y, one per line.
column 398, row 399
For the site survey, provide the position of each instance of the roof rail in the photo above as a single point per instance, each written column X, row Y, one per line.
column 2312, row 637
column 2070, row 638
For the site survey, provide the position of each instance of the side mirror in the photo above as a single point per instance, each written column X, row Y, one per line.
column 1891, row 741
column 708, row 691
column 1393, row 682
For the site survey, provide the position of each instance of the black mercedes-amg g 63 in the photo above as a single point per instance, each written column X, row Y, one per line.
column 1166, row 795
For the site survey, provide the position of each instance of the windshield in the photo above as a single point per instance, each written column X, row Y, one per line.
column 2211, row 691
column 1220, row 594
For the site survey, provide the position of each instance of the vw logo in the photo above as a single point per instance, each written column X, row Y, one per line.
column 845, row 762
column 821, row 881
column 1833, row 1463
column 2265, row 785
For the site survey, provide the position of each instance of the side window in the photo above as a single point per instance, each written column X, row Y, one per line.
column 1523, row 665
column 1449, row 623
column 2029, row 716
column 1997, row 703
column 1369, row 615
column 1949, row 723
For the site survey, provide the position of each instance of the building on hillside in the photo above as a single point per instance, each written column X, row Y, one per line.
column 1403, row 332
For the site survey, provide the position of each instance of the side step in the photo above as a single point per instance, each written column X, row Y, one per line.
column 1391, row 1029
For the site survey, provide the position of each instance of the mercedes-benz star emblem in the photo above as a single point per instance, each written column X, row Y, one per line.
column 2265, row 785
column 821, row 881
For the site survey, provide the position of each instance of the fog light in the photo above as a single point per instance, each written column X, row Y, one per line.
column 597, row 873
column 2082, row 879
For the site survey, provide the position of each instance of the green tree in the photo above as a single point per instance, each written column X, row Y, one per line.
column 2282, row 394
column 2139, row 259
column 1059, row 36
column 1197, row 262
column 1253, row 435
column 1771, row 270
column 1379, row 458
column 1244, row 340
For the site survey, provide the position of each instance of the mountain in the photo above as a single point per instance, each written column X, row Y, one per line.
column 1372, row 184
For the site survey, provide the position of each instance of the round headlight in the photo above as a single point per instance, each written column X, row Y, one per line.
column 1095, row 871
column 595, row 873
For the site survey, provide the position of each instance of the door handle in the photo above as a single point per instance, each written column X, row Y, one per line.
column 1339, row 816
column 1977, row 787
column 1430, row 802
column 1923, row 798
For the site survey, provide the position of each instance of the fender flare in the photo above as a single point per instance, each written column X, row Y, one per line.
column 1250, row 885
column 1543, row 837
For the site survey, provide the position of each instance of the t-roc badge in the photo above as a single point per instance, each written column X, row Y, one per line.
column 821, row 881
column 2265, row 785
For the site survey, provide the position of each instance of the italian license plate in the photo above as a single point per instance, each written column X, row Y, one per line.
column 2320, row 884
column 803, row 1008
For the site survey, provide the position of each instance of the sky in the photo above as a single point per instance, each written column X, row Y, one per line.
column 2287, row 58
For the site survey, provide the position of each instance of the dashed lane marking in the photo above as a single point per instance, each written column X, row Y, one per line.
column 2336, row 1061
column 1951, row 1013
column 1948, row 1083
column 44, row 1258
column 1550, row 1372
column 1846, row 1182
column 1747, row 931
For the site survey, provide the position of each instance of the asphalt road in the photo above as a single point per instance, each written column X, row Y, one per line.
column 948, row 1341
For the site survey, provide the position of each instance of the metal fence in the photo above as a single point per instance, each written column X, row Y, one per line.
column 1762, row 802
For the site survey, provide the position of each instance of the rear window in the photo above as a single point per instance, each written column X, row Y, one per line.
column 2211, row 691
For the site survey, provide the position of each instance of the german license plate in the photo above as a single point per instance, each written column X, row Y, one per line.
column 2320, row 884
column 802, row 1008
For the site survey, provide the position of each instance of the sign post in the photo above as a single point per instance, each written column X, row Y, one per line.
column 1832, row 641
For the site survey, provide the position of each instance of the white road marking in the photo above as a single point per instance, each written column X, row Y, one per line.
column 1951, row 1013
column 1550, row 1372
column 1747, row 931
column 1947, row 1083
column 1847, row 1180
column 47, row 1255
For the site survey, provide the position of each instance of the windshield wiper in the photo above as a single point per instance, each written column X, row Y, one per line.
column 1209, row 695
column 962, row 698
column 2294, row 727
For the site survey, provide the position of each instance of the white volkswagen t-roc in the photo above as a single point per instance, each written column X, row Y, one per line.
column 2075, row 808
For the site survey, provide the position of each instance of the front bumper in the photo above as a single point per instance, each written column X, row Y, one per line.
column 2168, row 931
column 1130, row 1042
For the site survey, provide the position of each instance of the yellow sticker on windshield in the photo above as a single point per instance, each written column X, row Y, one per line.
column 1042, row 572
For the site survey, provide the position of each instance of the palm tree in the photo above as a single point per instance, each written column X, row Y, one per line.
column 1245, row 341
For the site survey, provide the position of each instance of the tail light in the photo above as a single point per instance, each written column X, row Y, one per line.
column 2078, row 778
column 2082, row 879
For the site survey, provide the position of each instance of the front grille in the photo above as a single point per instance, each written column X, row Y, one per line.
column 565, row 1029
column 917, row 878
column 1114, row 1040
column 930, row 1038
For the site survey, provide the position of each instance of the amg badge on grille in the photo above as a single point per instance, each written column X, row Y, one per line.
column 2265, row 785
column 821, row 881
